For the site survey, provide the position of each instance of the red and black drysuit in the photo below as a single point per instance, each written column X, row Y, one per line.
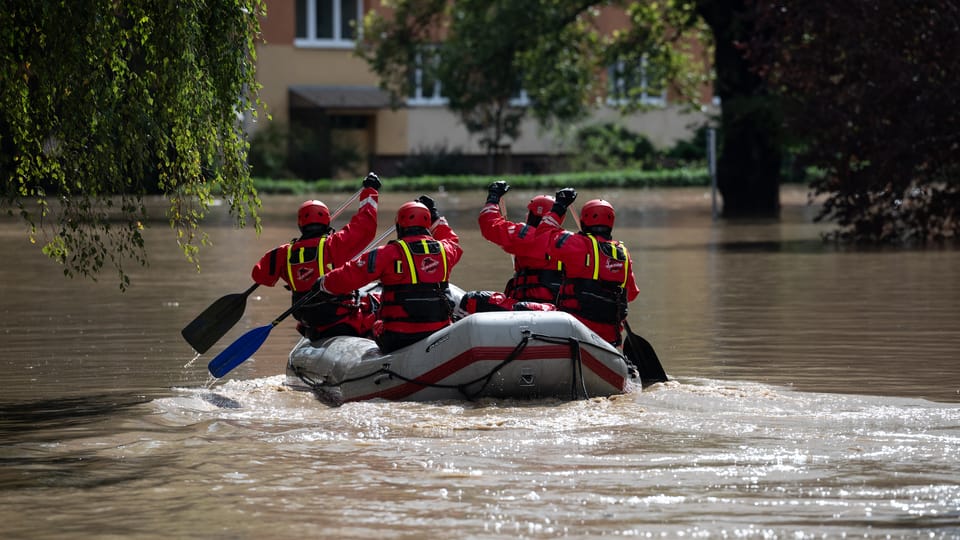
column 303, row 261
column 536, row 276
column 598, row 278
column 414, row 272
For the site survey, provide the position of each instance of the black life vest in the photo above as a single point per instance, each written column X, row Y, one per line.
column 305, row 265
column 602, row 296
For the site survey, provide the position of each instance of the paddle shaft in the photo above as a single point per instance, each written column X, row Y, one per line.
column 250, row 290
column 503, row 213
column 345, row 204
column 296, row 305
column 377, row 240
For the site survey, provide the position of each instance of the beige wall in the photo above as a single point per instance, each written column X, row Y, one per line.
column 429, row 127
column 392, row 135
column 280, row 66
column 664, row 127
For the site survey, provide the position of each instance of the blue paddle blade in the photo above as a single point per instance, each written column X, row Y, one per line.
column 239, row 351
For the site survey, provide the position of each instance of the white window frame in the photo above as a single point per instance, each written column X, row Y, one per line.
column 620, row 97
column 338, row 41
column 417, row 98
column 521, row 99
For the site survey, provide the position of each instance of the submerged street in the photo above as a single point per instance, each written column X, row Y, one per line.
column 814, row 394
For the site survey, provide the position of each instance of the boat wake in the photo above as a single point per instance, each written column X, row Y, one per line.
column 687, row 404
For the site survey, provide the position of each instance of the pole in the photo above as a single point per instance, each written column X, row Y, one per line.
column 712, row 167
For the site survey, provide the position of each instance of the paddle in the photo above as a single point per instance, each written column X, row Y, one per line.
column 503, row 213
column 641, row 353
column 247, row 344
column 216, row 320
column 219, row 318
column 377, row 240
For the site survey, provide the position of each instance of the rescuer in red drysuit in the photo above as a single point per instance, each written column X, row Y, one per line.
column 414, row 272
column 598, row 272
column 319, row 250
column 536, row 277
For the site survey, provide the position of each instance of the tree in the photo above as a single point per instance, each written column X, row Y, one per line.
column 105, row 102
column 487, row 50
column 748, row 165
column 872, row 88
column 479, row 81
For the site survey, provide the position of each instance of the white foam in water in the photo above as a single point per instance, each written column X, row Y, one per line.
column 708, row 456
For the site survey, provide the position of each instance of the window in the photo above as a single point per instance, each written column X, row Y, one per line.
column 520, row 98
column 628, row 82
column 425, row 89
column 328, row 23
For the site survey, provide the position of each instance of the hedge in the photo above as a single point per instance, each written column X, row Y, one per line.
column 594, row 179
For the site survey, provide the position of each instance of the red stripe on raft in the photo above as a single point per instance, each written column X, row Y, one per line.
column 475, row 354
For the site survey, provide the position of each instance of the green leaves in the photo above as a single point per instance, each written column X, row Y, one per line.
column 871, row 90
column 554, row 50
column 106, row 103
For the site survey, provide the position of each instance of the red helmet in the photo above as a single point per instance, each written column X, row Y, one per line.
column 413, row 214
column 313, row 212
column 540, row 205
column 597, row 213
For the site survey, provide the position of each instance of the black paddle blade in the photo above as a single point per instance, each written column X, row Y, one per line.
column 641, row 353
column 215, row 321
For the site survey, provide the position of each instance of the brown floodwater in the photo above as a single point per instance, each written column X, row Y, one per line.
column 815, row 394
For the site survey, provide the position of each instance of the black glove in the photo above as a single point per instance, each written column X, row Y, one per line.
column 564, row 198
column 432, row 206
column 372, row 180
column 497, row 190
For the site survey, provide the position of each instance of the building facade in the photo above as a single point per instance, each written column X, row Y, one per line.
column 312, row 80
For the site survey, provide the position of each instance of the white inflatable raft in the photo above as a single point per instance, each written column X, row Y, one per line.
column 516, row 355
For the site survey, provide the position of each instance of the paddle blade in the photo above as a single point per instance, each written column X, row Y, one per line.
column 215, row 321
column 641, row 353
column 239, row 351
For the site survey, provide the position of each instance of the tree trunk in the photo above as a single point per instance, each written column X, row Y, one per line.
column 748, row 166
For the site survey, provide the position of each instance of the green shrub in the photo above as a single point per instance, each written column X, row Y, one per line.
column 611, row 146
column 693, row 150
column 629, row 178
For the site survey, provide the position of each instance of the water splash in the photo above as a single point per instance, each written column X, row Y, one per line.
column 190, row 363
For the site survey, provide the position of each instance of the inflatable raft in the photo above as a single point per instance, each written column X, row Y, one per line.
column 513, row 355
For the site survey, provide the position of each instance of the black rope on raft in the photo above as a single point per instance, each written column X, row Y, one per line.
column 577, row 370
column 576, row 367
column 463, row 387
